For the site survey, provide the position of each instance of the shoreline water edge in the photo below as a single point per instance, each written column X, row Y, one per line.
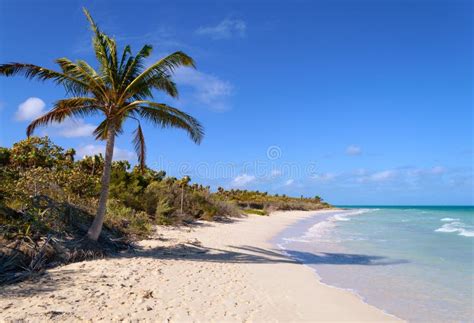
column 393, row 258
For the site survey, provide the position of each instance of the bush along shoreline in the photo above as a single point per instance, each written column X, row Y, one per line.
column 48, row 201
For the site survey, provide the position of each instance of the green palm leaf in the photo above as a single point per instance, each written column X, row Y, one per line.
column 72, row 107
column 139, row 143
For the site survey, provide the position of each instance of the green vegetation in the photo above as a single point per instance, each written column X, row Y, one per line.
column 263, row 203
column 119, row 90
column 48, row 198
column 47, row 202
column 255, row 211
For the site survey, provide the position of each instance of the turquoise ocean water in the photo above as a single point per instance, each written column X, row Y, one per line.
column 413, row 262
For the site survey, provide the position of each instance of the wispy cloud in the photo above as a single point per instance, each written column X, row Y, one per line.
column 353, row 150
column 164, row 39
column 382, row 176
column 31, row 109
column 119, row 154
column 324, row 177
column 243, row 180
column 207, row 89
column 226, row 29
column 435, row 170
column 401, row 174
column 34, row 107
column 71, row 128
column 275, row 173
column 289, row 182
column 438, row 170
column 374, row 177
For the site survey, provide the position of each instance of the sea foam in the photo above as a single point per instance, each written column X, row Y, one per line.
column 448, row 219
column 321, row 228
column 456, row 227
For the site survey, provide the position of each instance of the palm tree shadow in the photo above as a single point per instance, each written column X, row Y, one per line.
column 42, row 283
column 255, row 255
column 331, row 258
column 195, row 252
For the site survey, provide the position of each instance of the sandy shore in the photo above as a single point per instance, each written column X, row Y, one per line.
column 215, row 272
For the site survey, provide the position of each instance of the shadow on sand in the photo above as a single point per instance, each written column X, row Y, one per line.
column 59, row 279
column 42, row 283
column 249, row 254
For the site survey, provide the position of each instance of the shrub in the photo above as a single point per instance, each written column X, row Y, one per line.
column 255, row 211
column 131, row 222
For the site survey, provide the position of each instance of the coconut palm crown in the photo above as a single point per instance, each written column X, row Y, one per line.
column 120, row 89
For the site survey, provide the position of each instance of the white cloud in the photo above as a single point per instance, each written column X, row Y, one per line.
column 289, row 182
column 438, row 170
column 360, row 172
column 74, row 128
column 226, row 29
column 69, row 128
column 31, row 109
column 417, row 172
column 382, row 176
column 324, row 177
column 403, row 174
column 243, row 180
column 119, row 154
column 123, row 154
column 208, row 89
column 353, row 150
column 275, row 173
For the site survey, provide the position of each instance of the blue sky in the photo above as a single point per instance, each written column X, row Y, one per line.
column 361, row 102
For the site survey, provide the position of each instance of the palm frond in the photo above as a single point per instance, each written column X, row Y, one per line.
column 113, row 61
column 159, row 82
column 72, row 85
column 162, row 68
column 140, row 148
column 105, row 51
column 84, row 72
column 72, row 107
column 134, row 65
column 102, row 129
column 165, row 116
column 100, row 132
column 127, row 51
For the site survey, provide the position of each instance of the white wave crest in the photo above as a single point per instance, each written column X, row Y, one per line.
column 321, row 228
column 448, row 219
column 456, row 227
column 341, row 217
column 466, row 233
column 346, row 215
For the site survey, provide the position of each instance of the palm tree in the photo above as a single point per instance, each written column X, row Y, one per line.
column 121, row 89
column 183, row 182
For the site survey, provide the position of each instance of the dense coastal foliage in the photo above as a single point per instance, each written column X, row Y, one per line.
column 263, row 203
column 48, row 199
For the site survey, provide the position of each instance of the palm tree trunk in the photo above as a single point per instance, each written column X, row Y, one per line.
column 96, row 227
column 182, row 199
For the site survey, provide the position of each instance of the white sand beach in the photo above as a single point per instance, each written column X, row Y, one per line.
column 218, row 272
